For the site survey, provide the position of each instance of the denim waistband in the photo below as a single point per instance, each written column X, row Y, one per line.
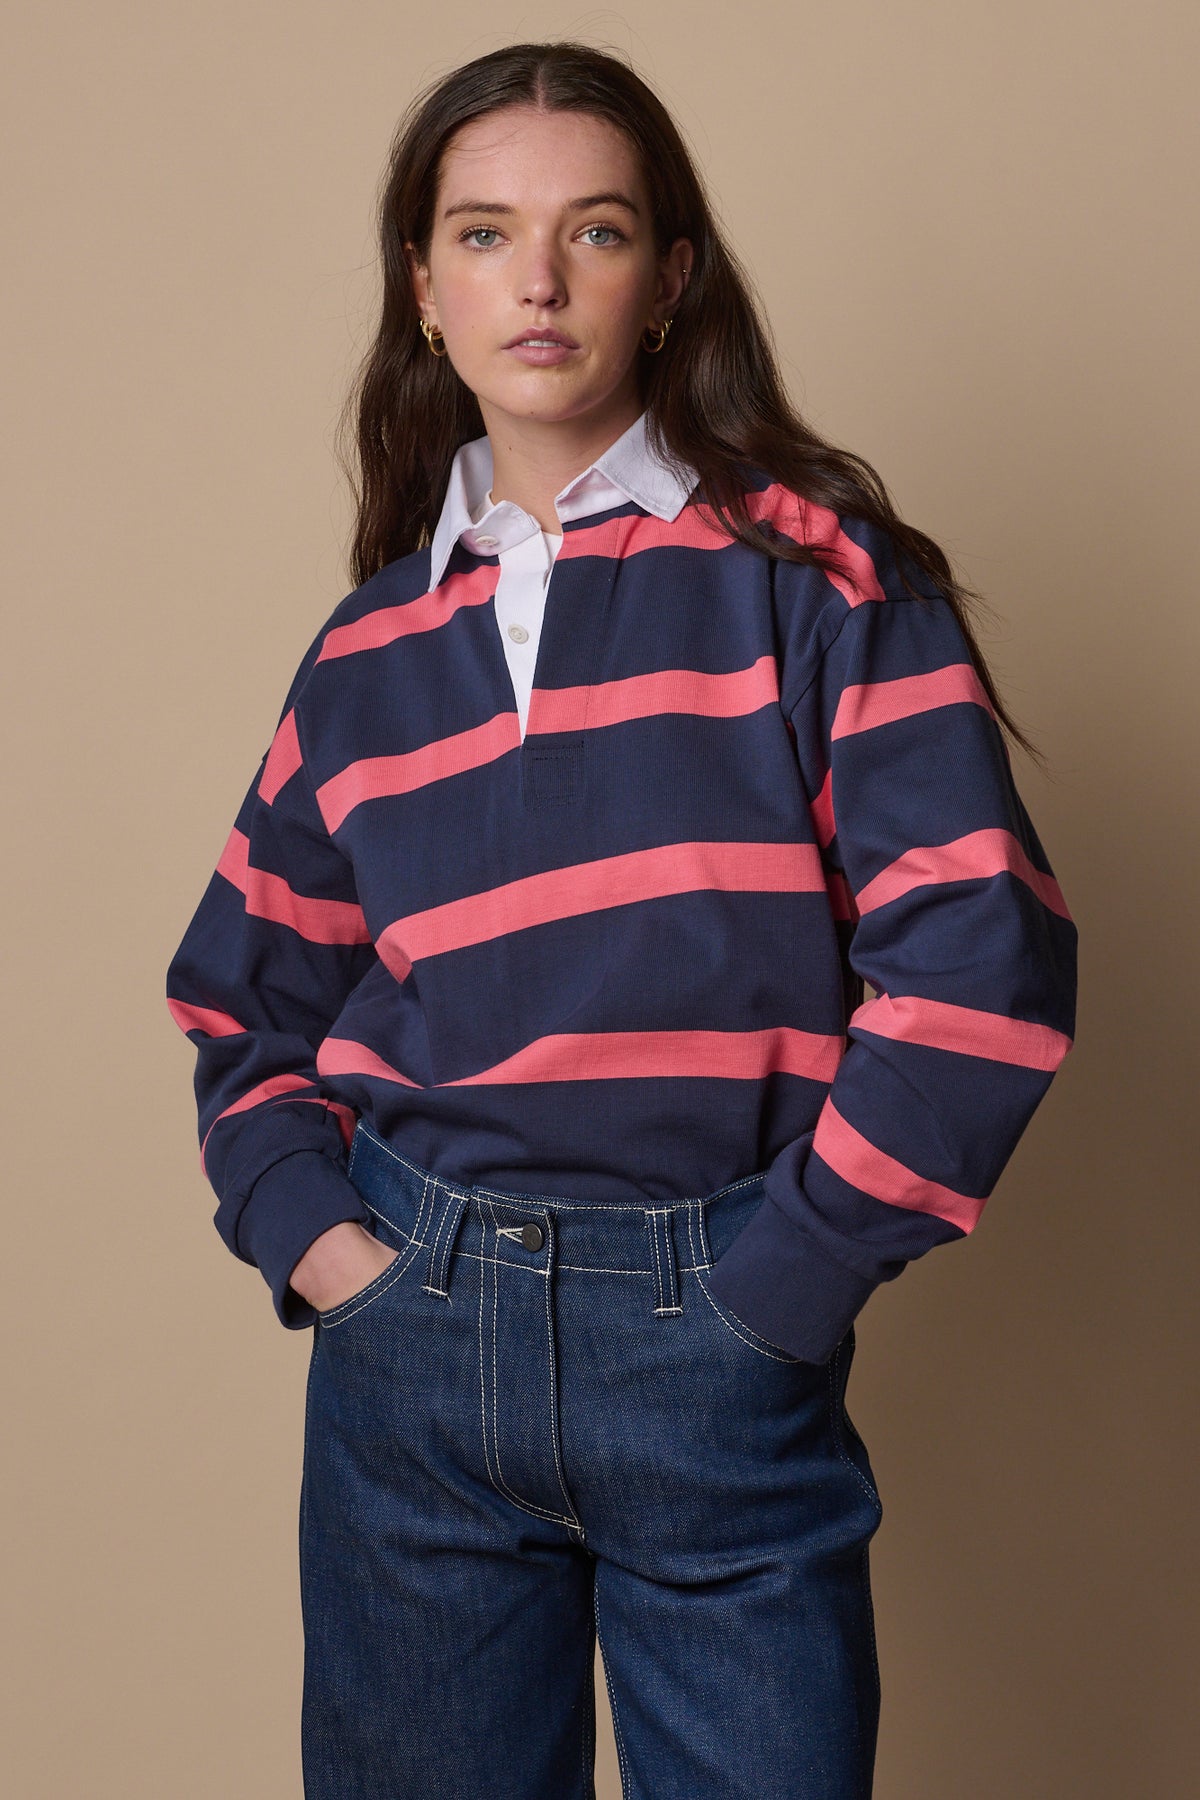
column 522, row 1226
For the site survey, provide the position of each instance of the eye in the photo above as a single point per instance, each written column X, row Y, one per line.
column 470, row 232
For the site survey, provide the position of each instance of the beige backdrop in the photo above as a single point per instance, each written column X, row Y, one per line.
column 973, row 227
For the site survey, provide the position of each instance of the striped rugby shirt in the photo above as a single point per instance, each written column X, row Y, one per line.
column 621, row 957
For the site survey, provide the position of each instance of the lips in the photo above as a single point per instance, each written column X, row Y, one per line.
column 549, row 336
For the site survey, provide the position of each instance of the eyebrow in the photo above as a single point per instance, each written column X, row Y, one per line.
column 581, row 205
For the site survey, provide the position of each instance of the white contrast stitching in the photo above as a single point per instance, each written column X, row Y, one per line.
column 338, row 1315
column 552, row 1361
column 751, row 1339
column 491, row 1447
column 443, row 1223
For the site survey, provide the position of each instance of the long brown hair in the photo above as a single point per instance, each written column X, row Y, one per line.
column 713, row 395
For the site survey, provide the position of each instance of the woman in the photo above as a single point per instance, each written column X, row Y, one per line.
column 534, row 1067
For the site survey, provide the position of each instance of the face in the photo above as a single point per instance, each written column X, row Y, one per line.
column 521, row 241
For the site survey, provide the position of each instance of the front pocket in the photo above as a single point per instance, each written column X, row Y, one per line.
column 406, row 1250
column 737, row 1207
column 760, row 1345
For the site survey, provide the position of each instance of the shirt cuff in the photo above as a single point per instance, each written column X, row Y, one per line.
column 290, row 1205
column 780, row 1283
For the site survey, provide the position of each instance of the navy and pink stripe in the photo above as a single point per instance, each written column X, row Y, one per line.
column 627, row 954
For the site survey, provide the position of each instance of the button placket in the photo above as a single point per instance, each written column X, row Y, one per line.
column 519, row 604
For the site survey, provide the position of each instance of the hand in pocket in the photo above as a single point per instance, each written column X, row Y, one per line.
column 339, row 1264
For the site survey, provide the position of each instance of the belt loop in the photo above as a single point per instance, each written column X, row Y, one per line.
column 449, row 1218
column 663, row 1261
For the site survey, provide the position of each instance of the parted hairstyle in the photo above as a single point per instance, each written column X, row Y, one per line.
column 713, row 395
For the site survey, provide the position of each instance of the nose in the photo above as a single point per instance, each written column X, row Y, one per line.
column 540, row 275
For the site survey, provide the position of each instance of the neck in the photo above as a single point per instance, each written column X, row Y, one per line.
column 533, row 461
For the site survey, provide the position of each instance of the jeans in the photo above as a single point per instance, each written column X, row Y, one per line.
column 537, row 1427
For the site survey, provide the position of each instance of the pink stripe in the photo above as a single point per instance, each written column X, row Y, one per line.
column 203, row 1018
column 235, row 859
column 696, row 528
column 266, row 1090
column 551, row 709
column 347, row 1119
column 976, row 857
column 694, row 691
column 859, row 1162
column 270, row 897
column 822, row 812
column 377, row 777
column 807, row 523
column 630, row 535
column 647, row 1055
column 873, row 703
column 964, row 1029
column 346, row 1116
column 427, row 612
column 591, row 886
column 342, row 1056
column 283, row 759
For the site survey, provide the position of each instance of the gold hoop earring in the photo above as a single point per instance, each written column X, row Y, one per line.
column 432, row 332
column 662, row 330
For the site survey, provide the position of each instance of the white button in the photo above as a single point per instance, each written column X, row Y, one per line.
column 487, row 543
column 518, row 634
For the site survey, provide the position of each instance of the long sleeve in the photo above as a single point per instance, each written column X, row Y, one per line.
column 276, row 945
column 957, row 924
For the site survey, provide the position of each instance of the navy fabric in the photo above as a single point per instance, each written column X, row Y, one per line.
column 624, row 958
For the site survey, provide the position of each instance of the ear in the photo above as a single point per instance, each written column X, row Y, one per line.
column 674, row 272
column 422, row 292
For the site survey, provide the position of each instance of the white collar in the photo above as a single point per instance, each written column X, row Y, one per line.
column 627, row 470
